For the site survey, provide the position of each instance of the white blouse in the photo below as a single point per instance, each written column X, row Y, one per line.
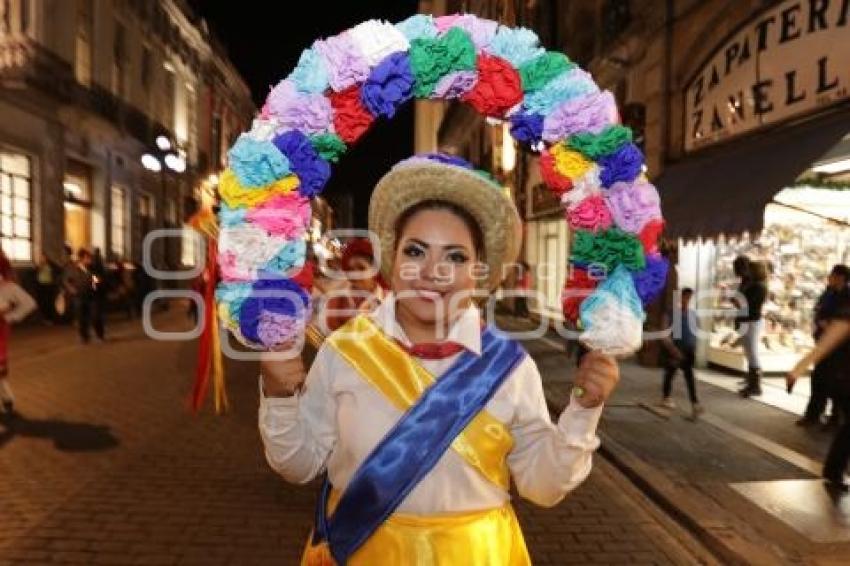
column 339, row 418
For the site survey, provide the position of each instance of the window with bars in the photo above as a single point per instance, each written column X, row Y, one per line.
column 15, row 206
column 119, row 222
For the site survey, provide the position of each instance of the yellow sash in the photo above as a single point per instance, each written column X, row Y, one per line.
column 484, row 443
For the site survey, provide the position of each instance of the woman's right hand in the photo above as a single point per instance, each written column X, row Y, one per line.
column 281, row 378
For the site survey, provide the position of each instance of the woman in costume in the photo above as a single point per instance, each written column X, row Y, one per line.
column 419, row 414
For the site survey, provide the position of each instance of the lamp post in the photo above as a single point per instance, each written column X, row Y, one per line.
column 160, row 160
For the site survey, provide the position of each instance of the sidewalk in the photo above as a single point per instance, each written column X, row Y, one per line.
column 743, row 478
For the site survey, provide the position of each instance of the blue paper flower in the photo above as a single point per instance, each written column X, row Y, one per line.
column 390, row 84
column 527, row 128
column 566, row 86
column 623, row 165
column 310, row 75
column 231, row 216
column 272, row 295
column 290, row 257
column 312, row 171
column 418, row 26
column 257, row 163
column 233, row 295
column 517, row 45
column 649, row 281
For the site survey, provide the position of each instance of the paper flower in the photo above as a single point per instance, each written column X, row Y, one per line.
column 591, row 214
column 537, row 72
column 444, row 23
column 609, row 248
column 418, row 26
column 612, row 316
column 312, row 171
column 389, row 85
column 256, row 163
column 230, row 296
column 498, row 88
column 557, row 183
column 527, row 128
column 243, row 250
column 235, row 195
column 481, row 31
column 345, row 63
column 263, row 129
column 517, row 45
column 286, row 216
column 569, row 85
column 650, row 281
column 623, row 165
column 351, row 118
column 569, row 163
column 329, row 146
column 576, row 290
column 454, row 85
column 588, row 113
column 230, row 216
column 432, row 59
column 650, row 235
column 310, row 75
column 274, row 296
column 377, row 40
column 633, row 204
column 604, row 143
column 583, row 187
column 308, row 113
column 288, row 259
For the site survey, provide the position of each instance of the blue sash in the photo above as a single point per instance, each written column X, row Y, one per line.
column 414, row 445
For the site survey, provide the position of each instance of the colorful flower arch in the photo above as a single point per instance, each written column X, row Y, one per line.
column 342, row 84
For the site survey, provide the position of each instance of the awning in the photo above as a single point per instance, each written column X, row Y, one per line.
column 724, row 190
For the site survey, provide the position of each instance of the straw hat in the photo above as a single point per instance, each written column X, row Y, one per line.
column 446, row 178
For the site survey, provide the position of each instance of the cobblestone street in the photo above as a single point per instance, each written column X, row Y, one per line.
column 106, row 466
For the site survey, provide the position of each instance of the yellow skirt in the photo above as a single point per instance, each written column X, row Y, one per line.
column 479, row 538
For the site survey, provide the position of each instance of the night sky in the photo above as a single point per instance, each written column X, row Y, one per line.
column 265, row 47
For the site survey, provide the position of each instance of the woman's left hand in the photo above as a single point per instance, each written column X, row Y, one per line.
column 597, row 376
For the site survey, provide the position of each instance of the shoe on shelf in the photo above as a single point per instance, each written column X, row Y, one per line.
column 667, row 403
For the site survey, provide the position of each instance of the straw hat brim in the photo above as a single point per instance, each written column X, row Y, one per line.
column 411, row 183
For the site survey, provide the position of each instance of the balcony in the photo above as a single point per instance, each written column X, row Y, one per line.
column 26, row 64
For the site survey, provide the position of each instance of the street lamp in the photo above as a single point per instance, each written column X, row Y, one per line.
column 161, row 161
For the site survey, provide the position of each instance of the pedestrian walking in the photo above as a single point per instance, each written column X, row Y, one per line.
column 15, row 305
column 753, row 275
column 835, row 340
column 826, row 371
column 401, row 479
column 81, row 284
column 680, row 350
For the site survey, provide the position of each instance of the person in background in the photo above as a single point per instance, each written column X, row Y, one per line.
column 47, row 284
column 15, row 305
column 80, row 284
column 681, row 353
column 825, row 372
column 753, row 275
column 834, row 341
column 362, row 293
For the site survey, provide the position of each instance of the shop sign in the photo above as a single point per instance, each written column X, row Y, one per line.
column 791, row 60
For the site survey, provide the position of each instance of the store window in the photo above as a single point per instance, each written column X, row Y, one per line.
column 15, row 206
column 119, row 218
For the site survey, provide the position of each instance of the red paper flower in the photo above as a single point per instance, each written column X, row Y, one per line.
column 499, row 87
column 351, row 119
column 575, row 292
column 304, row 276
column 650, row 234
column 556, row 182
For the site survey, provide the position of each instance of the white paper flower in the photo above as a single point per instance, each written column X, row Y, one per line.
column 376, row 40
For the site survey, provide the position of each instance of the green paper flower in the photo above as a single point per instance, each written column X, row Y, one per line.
column 610, row 248
column 432, row 59
column 329, row 146
column 539, row 71
column 604, row 143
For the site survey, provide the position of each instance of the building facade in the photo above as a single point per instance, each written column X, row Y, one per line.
column 88, row 86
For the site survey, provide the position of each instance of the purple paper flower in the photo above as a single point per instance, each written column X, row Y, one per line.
column 633, row 205
column 455, row 85
column 480, row 30
column 304, row 161
column 622, row 165
column 309, row 113
column 390, row 84
column 345, row 64
column 527, row 128
column 274, row 329
column 589, row 113
column 271, row 295
column 649, row 281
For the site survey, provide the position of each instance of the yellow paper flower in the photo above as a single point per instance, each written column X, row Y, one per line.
column 235, row 195
column 570, row 163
